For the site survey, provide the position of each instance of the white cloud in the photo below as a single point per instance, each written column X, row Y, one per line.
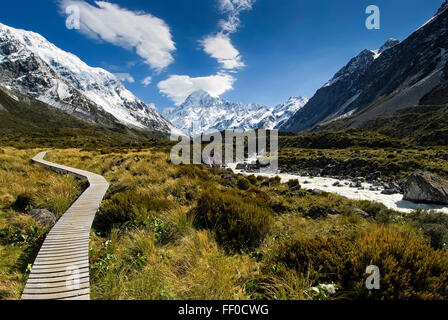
column 179, row 87
column 124, row 77
column 147, row 81
column 221, row 48
column 148, row 35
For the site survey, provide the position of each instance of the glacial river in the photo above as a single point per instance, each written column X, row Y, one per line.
column 394, row 201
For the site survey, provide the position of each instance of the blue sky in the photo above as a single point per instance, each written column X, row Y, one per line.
column 260, row 51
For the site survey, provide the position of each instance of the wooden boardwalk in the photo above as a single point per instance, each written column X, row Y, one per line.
column 61, row 269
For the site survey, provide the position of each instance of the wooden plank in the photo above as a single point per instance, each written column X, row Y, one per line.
column 55, row 279
column 63, row 260
column 54, row 284
column 53, row 296
column 84, row 285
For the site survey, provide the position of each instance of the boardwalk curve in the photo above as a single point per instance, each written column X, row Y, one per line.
column 61, row 268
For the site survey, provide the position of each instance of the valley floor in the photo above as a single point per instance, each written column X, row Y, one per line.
column 192, row 232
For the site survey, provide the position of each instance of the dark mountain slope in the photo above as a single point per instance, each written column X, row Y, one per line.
column 380, row 83
column 26, row 121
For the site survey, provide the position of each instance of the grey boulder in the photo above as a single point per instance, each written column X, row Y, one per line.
column 425, row 187
column 43, row 217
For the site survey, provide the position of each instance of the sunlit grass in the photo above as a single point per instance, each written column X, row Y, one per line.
column 146, row 243
column 46, row 190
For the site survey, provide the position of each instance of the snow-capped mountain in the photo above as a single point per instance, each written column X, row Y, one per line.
column 380, row 82
column 33, row 66
column 202, row 113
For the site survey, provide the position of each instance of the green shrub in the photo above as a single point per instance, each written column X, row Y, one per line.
column 243, row 184
column 409, row 267
column 23, row 202
column 433, row 224
column 371, row 207
column 280, row 206
column 252, row 179
column 293, row 183
column 317, row 211
column 275, row 180
column 239, row 222
column 378, row 211
column 126, row 207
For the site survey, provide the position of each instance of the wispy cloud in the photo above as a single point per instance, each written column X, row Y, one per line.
column 147, row 81
column 148, row 35
column 233, row 9
column 179, row 87
column 124, row 77
column 219, row 45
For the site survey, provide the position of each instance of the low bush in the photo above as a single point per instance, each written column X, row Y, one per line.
column 409, row 267
column 23, row 202
column 378, row 211
column 243, row 184
column 252, row 179
column 433, row 224
column 293, row 183
column 317, row 211
column 238, row 222
column 127, row 207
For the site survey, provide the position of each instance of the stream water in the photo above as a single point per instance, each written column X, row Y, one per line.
column 394, row 201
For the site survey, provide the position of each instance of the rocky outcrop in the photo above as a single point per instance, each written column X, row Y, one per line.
column 425, row 187
column 43, row 217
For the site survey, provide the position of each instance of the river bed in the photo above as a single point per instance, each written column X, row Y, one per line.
column 394, row 201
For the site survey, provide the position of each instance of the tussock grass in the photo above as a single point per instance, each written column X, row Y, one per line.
column 185, row 232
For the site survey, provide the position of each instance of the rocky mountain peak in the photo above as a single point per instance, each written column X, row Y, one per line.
column 199, row 97
column 202, row 113
column 388, row 44
column 381, row 79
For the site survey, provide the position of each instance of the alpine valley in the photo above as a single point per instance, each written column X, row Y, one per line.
column 361, row 181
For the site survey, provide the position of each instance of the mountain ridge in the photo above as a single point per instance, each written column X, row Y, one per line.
column 32, row 65
column 202, row 113
column 380, row 82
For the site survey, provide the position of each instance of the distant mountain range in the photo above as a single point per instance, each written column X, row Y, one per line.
column 35, row 67
column 202, row 113
column 380, row 82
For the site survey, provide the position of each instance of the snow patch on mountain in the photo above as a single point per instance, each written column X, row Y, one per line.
column 202, row 113
column 64, row 73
